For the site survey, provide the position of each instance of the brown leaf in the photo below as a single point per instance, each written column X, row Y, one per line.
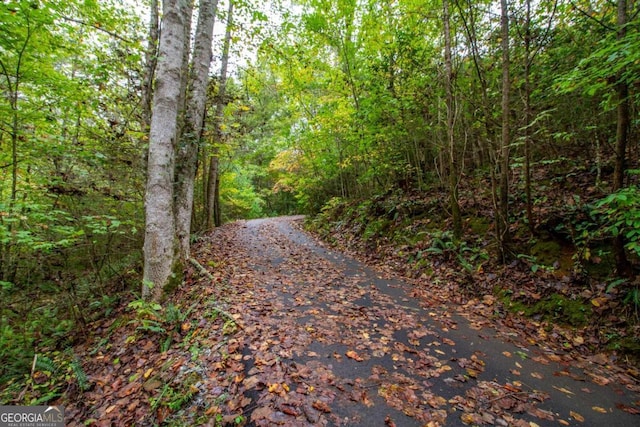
column 321, row 406
column 448, row 341
column 251, row 382
column 389, row 422
column 628, row 409
column 152, row 384
column 261, row 413
column 289, row 410
column 129, row 389
column 355, row 356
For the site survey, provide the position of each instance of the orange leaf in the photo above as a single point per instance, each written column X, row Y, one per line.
column 355, row 356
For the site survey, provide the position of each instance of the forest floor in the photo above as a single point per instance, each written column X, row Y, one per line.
column 282, row 330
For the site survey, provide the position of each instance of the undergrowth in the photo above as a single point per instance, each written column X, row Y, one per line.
column 569, row 262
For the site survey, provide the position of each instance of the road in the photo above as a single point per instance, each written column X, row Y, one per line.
column 327, row 340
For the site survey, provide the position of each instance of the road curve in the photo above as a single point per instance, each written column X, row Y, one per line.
column 329, row 341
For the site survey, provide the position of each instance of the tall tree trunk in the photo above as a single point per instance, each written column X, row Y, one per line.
column 160, row 246
column 528, row 116
column 502, row 225
column 187, row 154
column 151, row 61
column 453, row 161
column 622, row 135
column 213, row 191
column 186, row 8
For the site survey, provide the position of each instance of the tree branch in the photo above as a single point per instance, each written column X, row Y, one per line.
column 94, row 26
column 593, row 18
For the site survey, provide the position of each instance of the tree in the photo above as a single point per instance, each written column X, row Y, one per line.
column 189, row 143
column 213, row 215
column 161, row 263
column 502, row 214
column 451, row 113
column 151, row 61
column 623, row 124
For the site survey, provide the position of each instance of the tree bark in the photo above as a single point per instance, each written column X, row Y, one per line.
column 212, row 185
column 623, row 266
column 160, row 267
column 453, row 161
column 151, row 61
column 502, row 226
column 528, row 117
column 187, row 155
column 186, row 9
column 213, row 190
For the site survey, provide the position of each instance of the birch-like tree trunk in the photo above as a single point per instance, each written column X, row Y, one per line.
column 213, row 191
column 151, row 61
column 160, row 267
column 186, row 9
column 187, row 155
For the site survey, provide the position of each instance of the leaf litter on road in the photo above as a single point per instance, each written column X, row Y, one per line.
column 318, row 339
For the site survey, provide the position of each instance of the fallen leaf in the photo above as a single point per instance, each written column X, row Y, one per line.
column 321, row 406
column 261, row 413
column 628, row 409
column 576, row 416
column 152, row 384
column 274, row 388
column 562, row 389
column 600, row 380
column 599, row 409
column 355, row 356
column 448, row 341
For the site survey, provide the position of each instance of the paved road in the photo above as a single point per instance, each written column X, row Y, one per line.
column 330, row 341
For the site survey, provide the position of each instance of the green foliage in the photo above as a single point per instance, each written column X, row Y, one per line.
column 81, row 377
column 620, row 216
column 165, row 322
column 611, row 61
column 239, row 198
column 444, row 244
column 555, row 308
column 48, row 377
column 176, row 397
column 69, row 176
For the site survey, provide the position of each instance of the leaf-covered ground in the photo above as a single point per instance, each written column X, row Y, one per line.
column 283, row 331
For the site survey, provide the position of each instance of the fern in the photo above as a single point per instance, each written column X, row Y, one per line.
column 43, row 363
column 81, row 376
